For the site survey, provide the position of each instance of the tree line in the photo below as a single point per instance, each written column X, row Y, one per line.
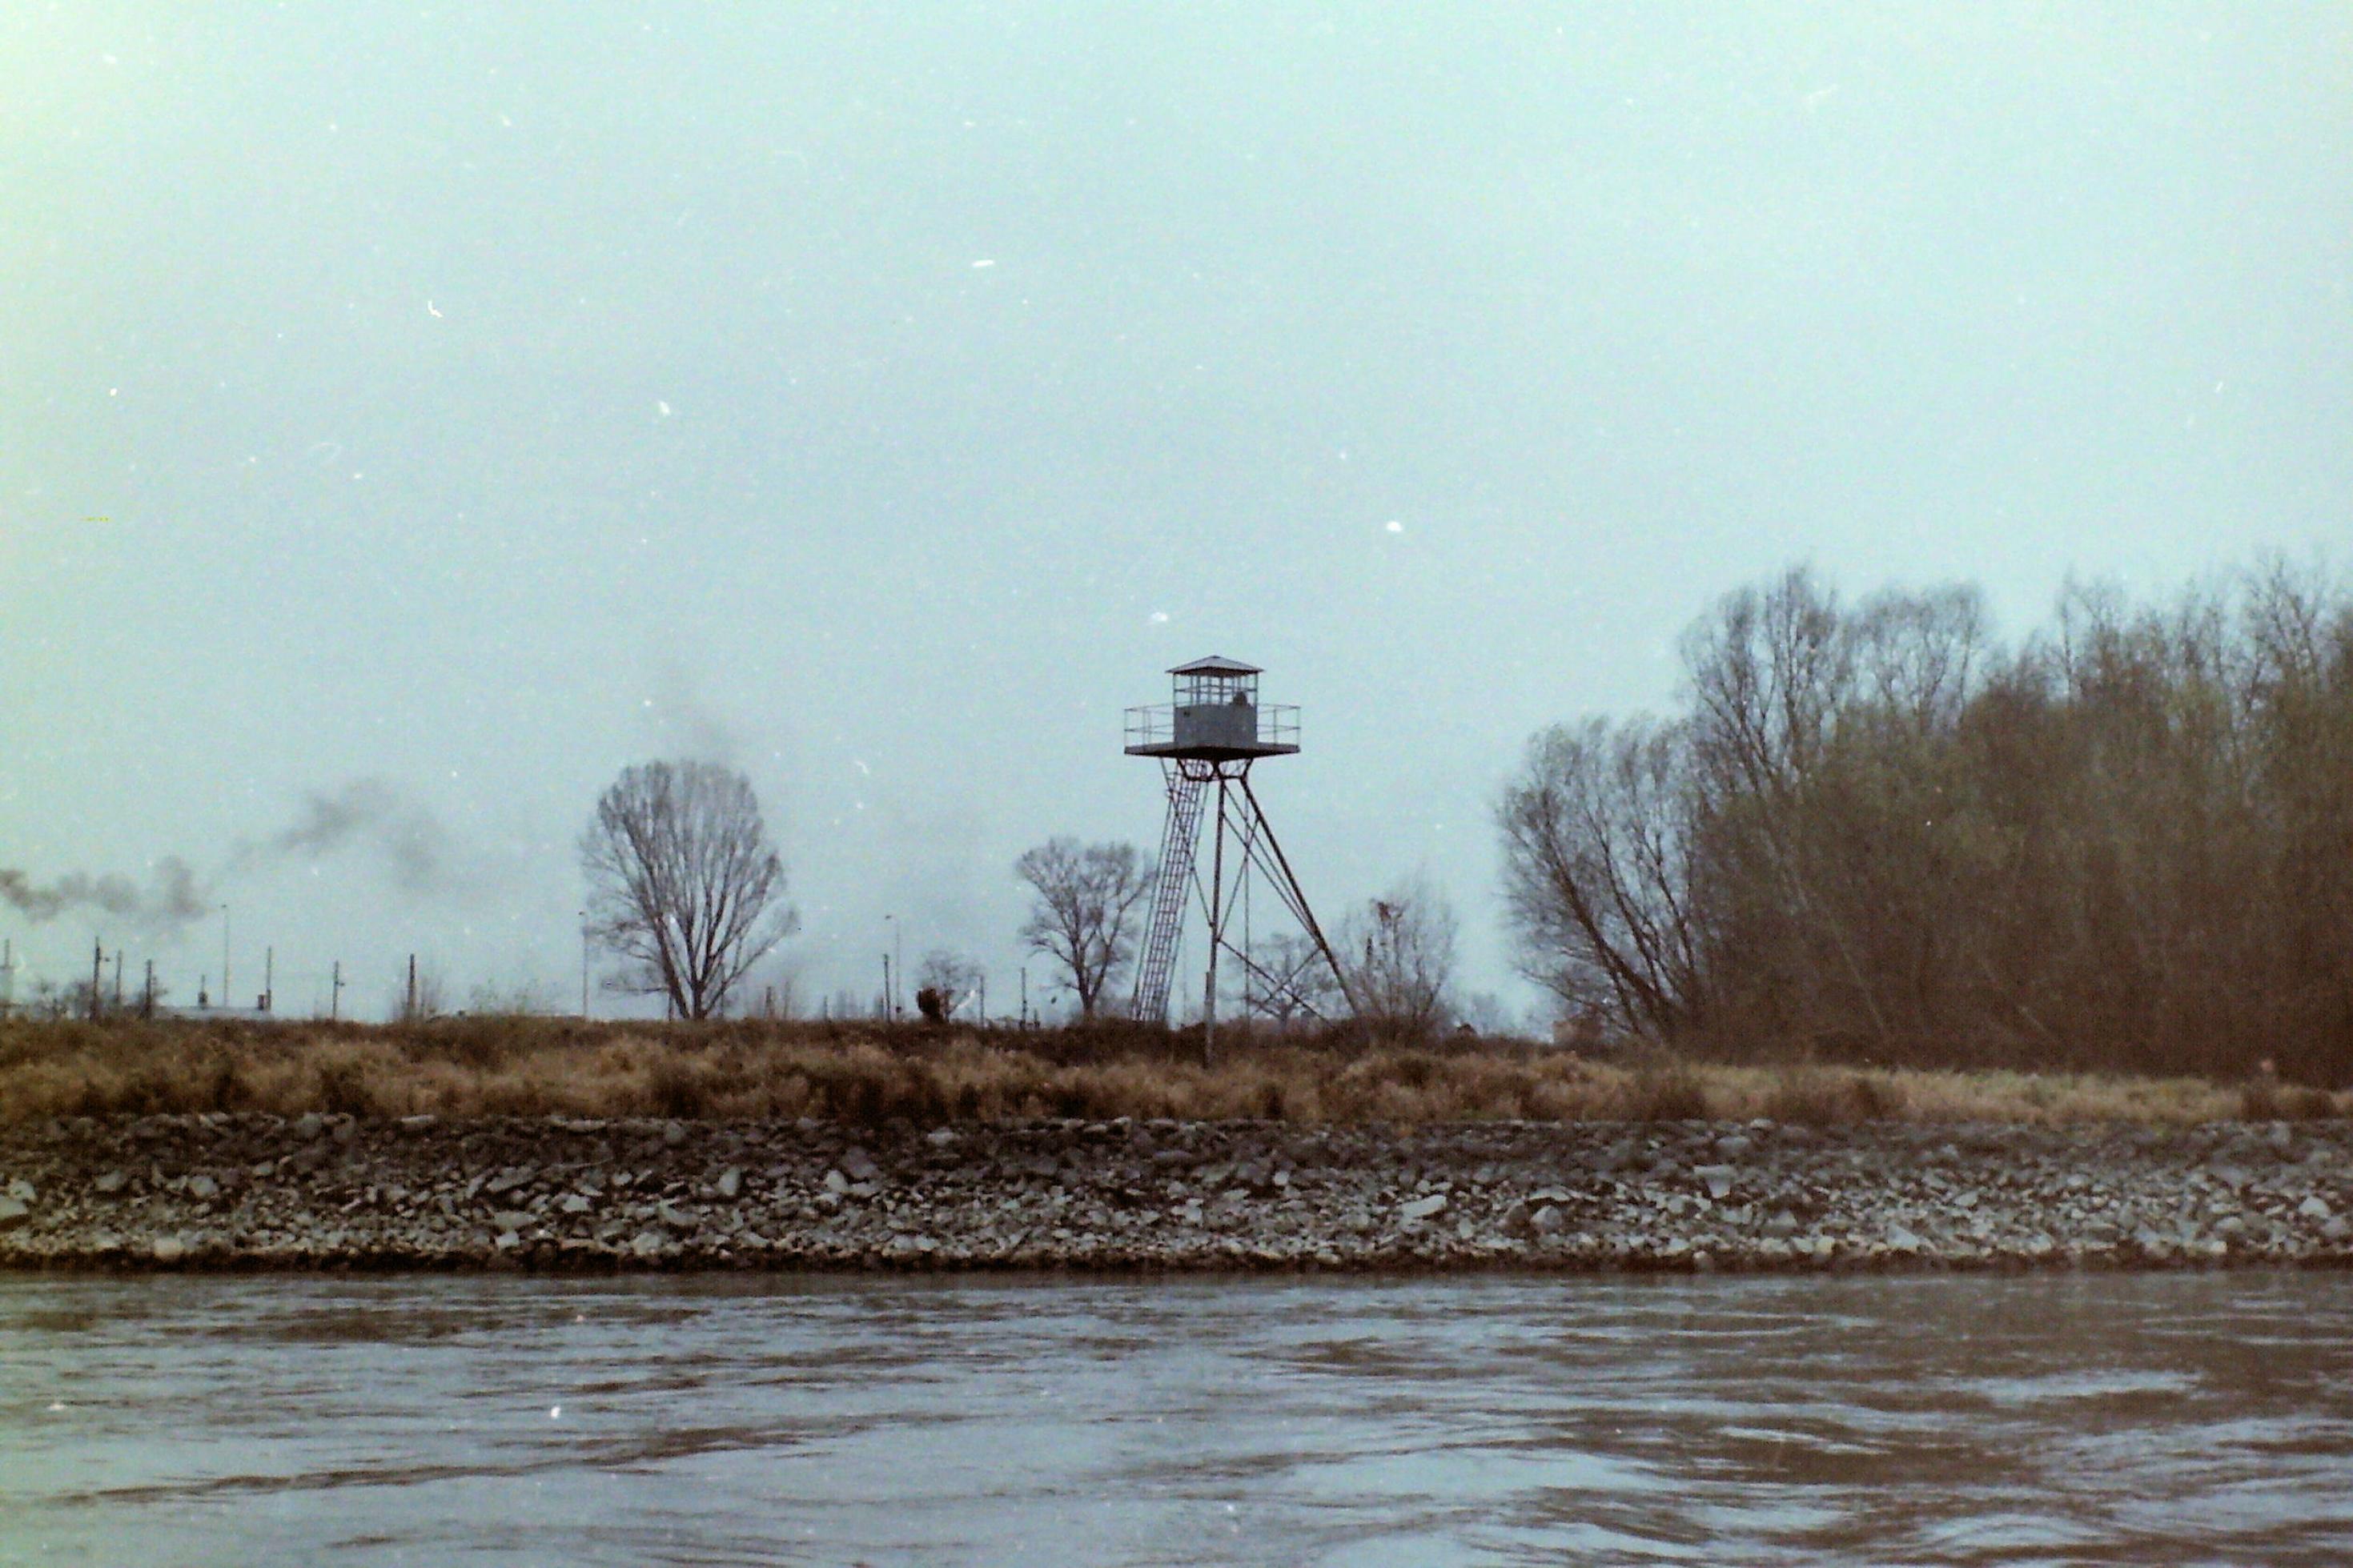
column 1873, row 832
column 1870, row 832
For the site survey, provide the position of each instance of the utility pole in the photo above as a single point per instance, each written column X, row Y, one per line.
column 889, row 1010
column 270, row 980
column 584, row 966
column 97, row 970
column 408, row 1009
column 335, row 993
column 147, row 1002
column 1025, row 996
column 118, row 980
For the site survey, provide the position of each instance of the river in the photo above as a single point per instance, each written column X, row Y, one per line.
column 2149, row 1418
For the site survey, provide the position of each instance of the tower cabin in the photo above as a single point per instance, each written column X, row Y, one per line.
column 1214, row 716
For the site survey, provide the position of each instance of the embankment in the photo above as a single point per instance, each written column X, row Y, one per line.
column 233, row 1190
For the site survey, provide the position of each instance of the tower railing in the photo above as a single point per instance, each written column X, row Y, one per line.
column 1278, row 724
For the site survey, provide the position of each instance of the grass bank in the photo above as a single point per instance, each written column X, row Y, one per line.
column 871, row 1074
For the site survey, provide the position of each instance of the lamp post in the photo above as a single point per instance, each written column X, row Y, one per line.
column 228, row 995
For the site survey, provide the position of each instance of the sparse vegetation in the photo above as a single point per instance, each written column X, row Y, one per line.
column 871, row 1073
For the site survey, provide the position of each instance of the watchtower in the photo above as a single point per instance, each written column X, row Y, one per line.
column 1208, row 733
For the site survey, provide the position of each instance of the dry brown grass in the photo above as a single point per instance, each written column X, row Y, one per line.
column 869, row 1074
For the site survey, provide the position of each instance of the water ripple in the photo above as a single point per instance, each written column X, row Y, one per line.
column 2144, row 1419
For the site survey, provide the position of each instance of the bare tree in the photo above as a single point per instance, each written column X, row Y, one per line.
column 1596, row 872
column 1084, row 914
column 950, row 980
column 1400, row 953
column 684, row 884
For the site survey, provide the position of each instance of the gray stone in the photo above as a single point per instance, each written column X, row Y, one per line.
column 168, row 1249
column 859, row 1165
column 1423, row 1208
column 730, row 1183
column 512, row 1219
column 1901, row 1239
column 576, row 1203
column 647, row 1243
column 1546, row 1221
column 109, row 1183
column 836, row 1183
column 309, row 1125
column 940, row 1138
column 203, row 1188
column 2312, row 1207
column 673, row 1135
column 14, row 1212
column 1732, row 1146
column 1718, row 1179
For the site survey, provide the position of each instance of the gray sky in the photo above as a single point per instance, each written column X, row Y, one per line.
column 411, row 417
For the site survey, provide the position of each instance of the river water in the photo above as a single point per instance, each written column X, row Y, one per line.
column 2108, row 1418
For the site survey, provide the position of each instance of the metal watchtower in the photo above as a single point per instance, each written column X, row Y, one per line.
column 1208, row 733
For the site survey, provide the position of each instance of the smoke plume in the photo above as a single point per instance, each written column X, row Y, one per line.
column 173, row 900
column 370, row 816
column 681, row 723
column 365, row 815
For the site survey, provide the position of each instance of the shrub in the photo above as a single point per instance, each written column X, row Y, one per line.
column 1668, row 1092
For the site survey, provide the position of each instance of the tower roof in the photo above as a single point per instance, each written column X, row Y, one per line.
column 1215, row 664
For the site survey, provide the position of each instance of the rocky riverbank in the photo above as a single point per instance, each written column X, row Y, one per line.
column 313, row 1192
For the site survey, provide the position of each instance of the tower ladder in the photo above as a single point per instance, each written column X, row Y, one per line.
column 1178, row 840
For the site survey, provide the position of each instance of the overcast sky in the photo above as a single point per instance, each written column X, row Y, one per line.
column 408, row 417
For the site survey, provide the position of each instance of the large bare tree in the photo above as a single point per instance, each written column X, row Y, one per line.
column 1597, row 874
column 1084, row 914
column 684, row 884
